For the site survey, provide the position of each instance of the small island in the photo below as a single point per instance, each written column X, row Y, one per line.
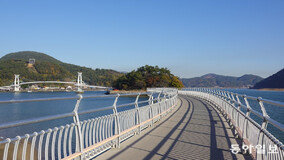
column 147, row 77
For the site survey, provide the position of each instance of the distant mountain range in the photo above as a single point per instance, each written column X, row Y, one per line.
column 49, row 68
column 214, row 80
column 274, row 81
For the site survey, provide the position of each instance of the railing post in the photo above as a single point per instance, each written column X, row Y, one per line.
column 263, row 126
column 159, row 96
column 229, row 103
column 159, row 104
column 166, row 102
column 116, row 122
column 138, row 120
column 232, row 94
column 151, row 108
column 239, row 108
column 246, row 118
column 79, row 140
column 227, row 95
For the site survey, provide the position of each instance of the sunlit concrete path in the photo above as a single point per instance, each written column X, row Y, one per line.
column 194, row 130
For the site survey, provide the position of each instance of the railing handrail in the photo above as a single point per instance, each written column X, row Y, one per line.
column 69, row 114
column 278, row 103
column 273, row 102
column 70, row 97
column 258, row 114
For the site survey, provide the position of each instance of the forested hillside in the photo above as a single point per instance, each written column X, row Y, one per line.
column 49, row 68
column 274, row 81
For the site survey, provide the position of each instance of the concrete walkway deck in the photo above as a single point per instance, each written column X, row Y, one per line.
column 194, row 130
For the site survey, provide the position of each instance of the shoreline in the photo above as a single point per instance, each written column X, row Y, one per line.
column 271, row 89
column 41, row 91
column 127, row 92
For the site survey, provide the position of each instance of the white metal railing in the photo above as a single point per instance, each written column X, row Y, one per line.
column 255, row 134
column 87, row 139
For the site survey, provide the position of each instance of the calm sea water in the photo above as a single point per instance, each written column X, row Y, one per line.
column 28, row 110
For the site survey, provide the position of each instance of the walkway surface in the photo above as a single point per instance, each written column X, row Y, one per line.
column 194, row 130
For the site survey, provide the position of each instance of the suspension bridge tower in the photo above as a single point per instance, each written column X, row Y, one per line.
column 79, row 83
column 17, row 83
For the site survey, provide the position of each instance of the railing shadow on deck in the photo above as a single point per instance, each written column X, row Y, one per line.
column 170, row 153
column 236, row 109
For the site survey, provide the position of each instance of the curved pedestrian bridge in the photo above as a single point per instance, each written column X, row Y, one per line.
column 171, row 124
column 195, row 130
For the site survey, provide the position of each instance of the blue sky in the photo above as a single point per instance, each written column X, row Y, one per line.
column 191, row 38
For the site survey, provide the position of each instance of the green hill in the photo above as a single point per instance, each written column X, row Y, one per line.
column 49, row 68
column 274, row 81
column 147, row 76
column 26, row 55
column 214, row 80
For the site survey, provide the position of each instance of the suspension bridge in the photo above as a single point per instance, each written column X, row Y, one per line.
column 79, row 84
column 186, row 124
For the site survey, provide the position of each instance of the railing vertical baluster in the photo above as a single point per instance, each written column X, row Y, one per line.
column 84, row 130
column 90, row 132
column 95, row 131
column 33, row 145
column 59, row 143
column 70, row 138
column 16, row 145
column 6, row 150
column 103, row 127
column 65, row 140
column 128, row 117
column 87, row 133
column 90, row 136
column 47, row 143
column 98, row 129
column 40, row 143
column 111, row 126
column 109, row 121
column 27, row 136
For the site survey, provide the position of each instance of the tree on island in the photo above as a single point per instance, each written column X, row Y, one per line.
column 147, row 76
